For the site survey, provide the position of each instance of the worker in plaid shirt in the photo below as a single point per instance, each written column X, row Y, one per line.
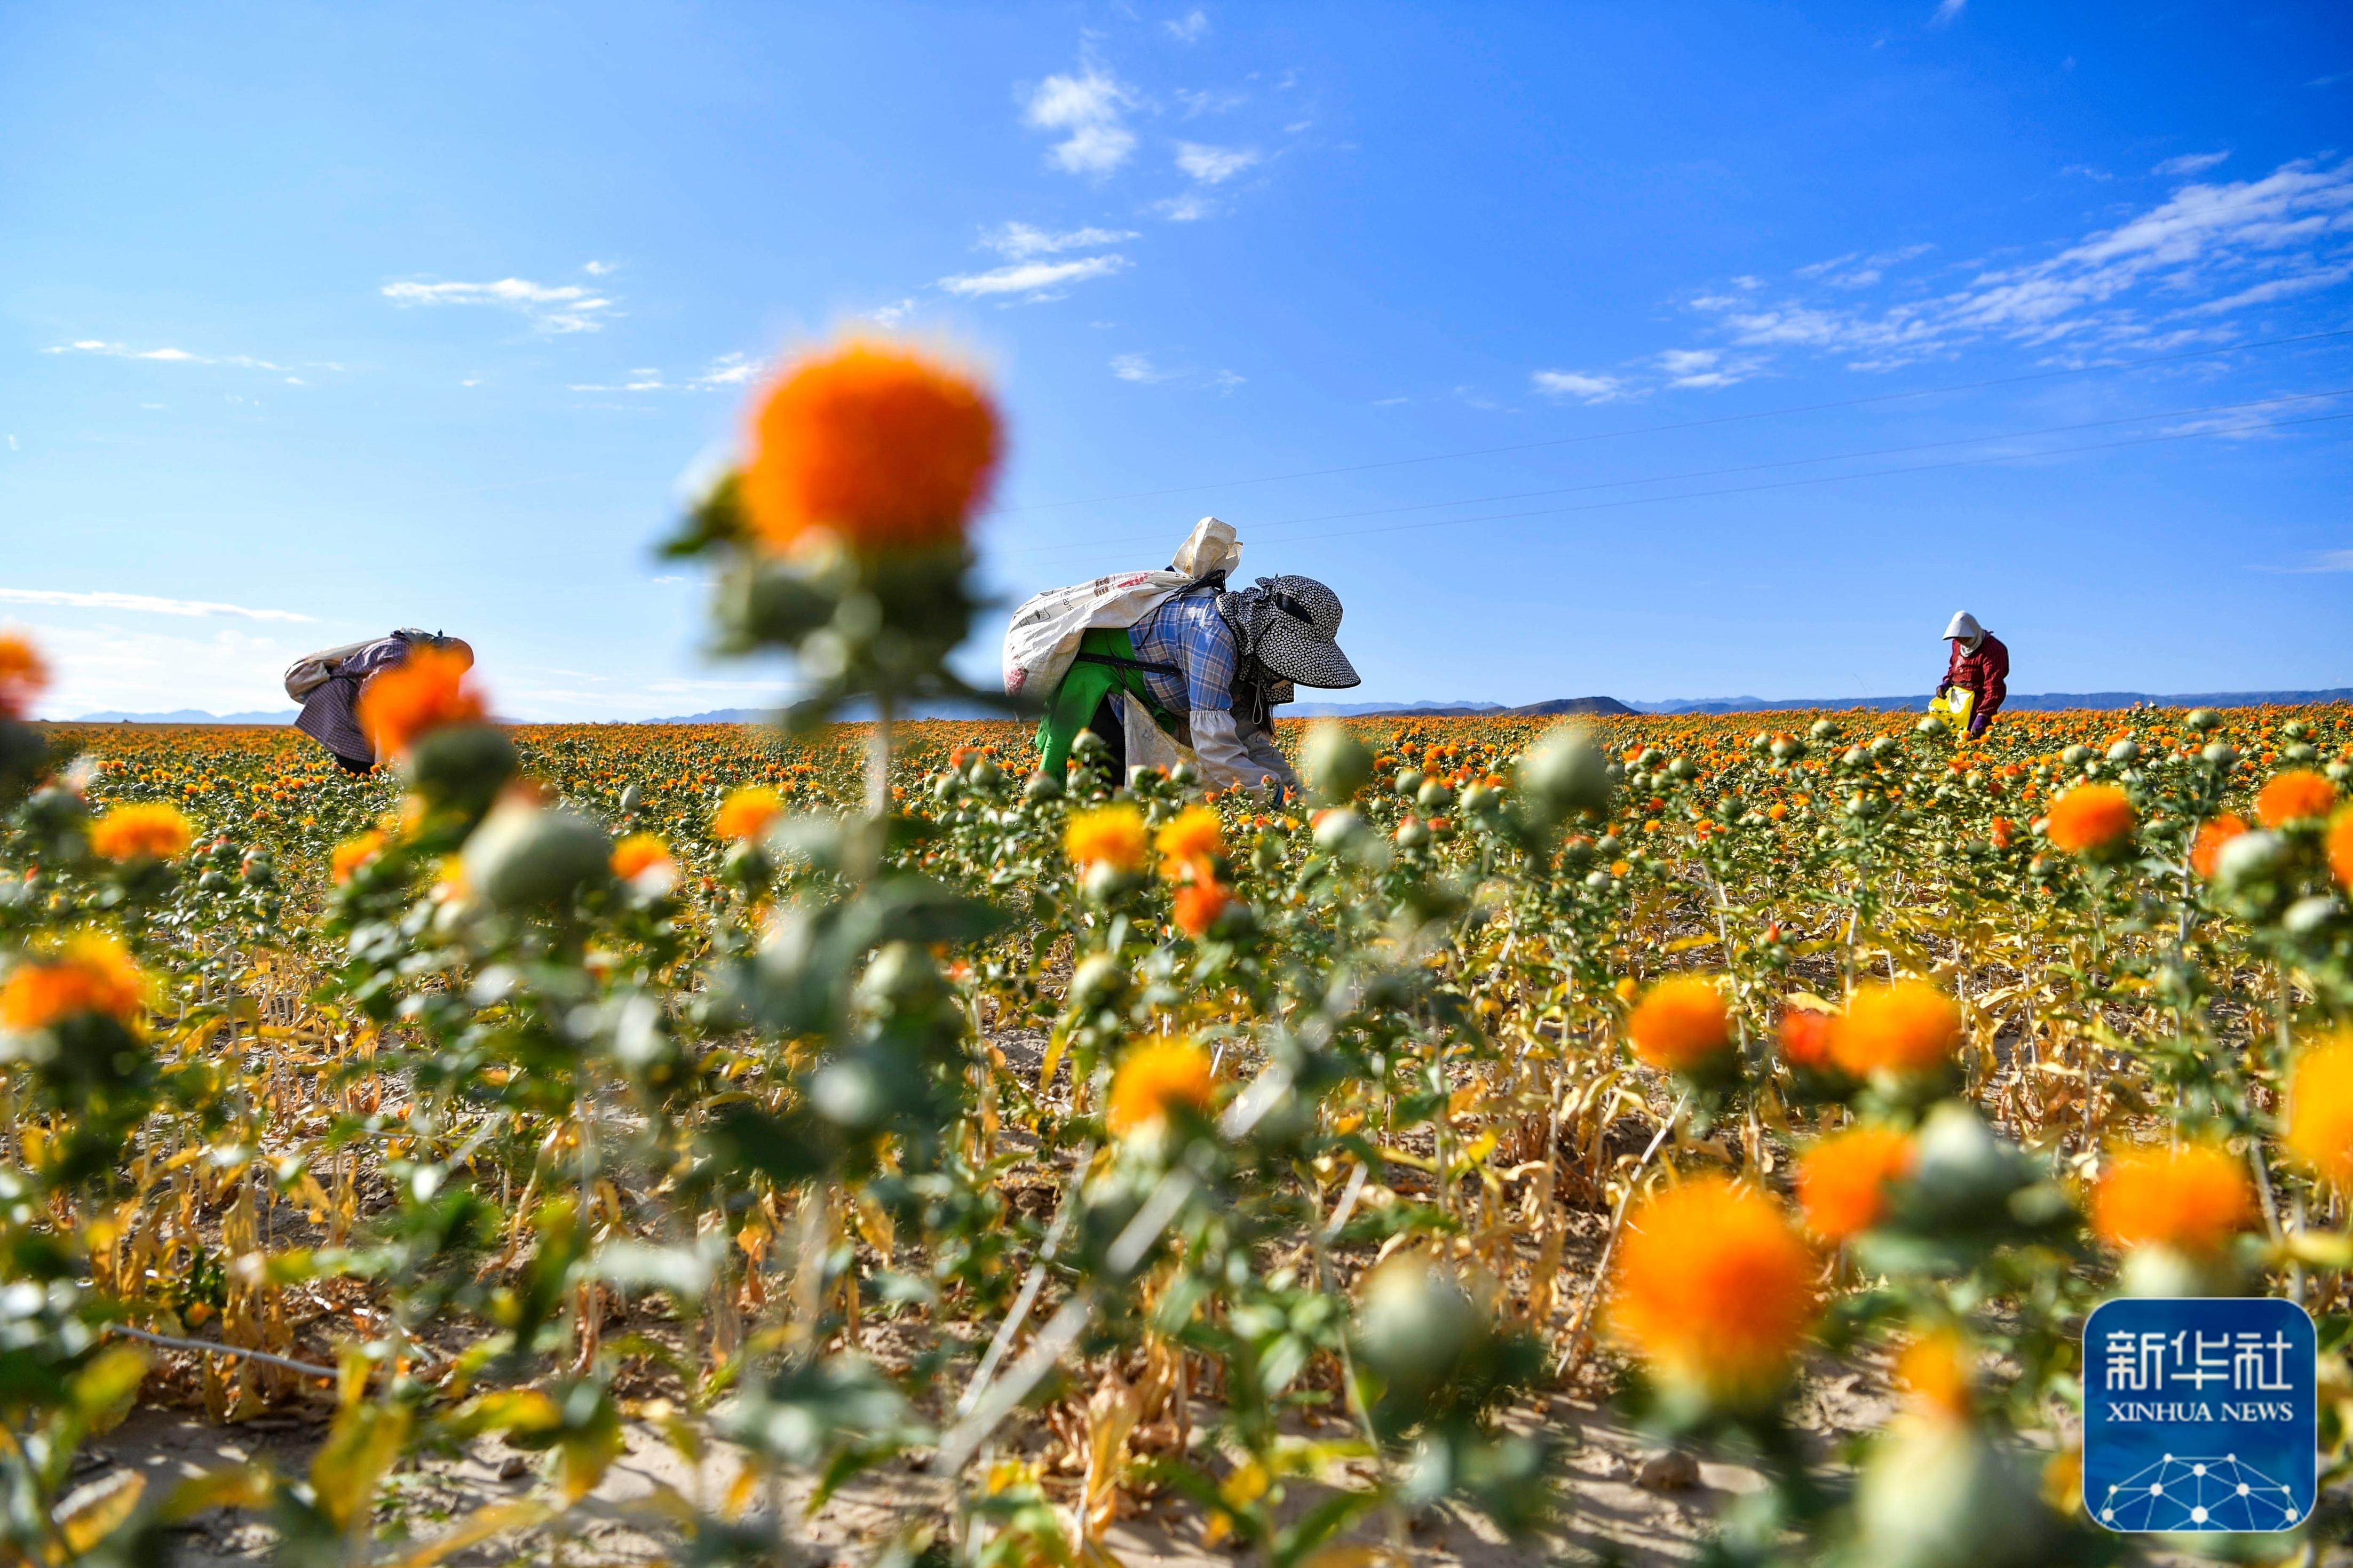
column 1192, row 647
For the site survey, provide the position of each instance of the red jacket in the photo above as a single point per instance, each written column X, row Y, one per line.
column 1985, row 672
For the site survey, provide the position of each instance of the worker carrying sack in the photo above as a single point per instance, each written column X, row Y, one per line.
column 1042, row 639
column 312, row 670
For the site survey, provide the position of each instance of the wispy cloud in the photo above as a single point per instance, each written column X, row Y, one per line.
column 599, row 269
column 2191, row 163
column 1139, row 368
column 161, row 356
column 550, row 307
column 1856, row 271
column 1086, row 110
column 2204, row 251
column 1190, row 207
column 2321, row 561
column 140, row 603
column 1947, row 13
column 1020, row 241
column 1035, row 279
column 727, row 370
column 1215, row 165
column 1189, row 28
column 1210, row 101
column 1584, row 387
column 892, row 314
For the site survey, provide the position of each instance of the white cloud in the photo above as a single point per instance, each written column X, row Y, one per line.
column 1190, row 207
column 1576, row 383
column 1947, row 12
column 1189, row 28
column 2191, row 163
column 1020, row 241
column 550, row 307
column 1139, row 368
column 162, row 355
column 129, row 667
column 2327, row 561
column 1135, row 367
column 1207, row 101
column 1214, row 165
column 1086, row 109
column 599, row 268
column 2206, row 250
column 1688, row 362
column 144, row 604
column 892, row 314
column 1032, row 278
column 727, row 370
column 2088, row 170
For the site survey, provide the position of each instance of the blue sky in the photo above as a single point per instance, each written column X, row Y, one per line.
column 319, row 320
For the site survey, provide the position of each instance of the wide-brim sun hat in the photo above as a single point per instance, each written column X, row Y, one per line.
column 1299, row 640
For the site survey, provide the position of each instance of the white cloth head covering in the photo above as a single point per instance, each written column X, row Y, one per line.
column 1965, row 628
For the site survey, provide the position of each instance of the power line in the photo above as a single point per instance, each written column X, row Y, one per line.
column 1741, row 468
column 1683, row 425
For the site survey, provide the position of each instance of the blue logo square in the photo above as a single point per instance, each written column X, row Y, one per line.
column 2200, row 1414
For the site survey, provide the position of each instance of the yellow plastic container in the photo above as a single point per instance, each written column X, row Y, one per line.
column 1955, row 708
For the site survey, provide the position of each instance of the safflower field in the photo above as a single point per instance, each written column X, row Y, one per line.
column 1096, row 1169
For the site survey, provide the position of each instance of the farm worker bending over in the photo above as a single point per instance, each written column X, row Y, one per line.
column 1980, row 664
column 328, row 684
column 1211, row 666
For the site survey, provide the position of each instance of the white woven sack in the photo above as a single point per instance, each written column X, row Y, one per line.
column 312, row 670
column 1043, row 638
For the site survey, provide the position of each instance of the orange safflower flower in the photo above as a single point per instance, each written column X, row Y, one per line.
column 2212, row 835
column 2090, row 818
column 2340, row 848
column 354, row 853
column 1198, row 905
column 640, row 853
column 1713, row 1290
column 92, row 974
column 23, row 676
column 746, row 813
column 2291, row 796
column 1155, row 1079
column 1680, row 1024
column 872, row 444
column 1906, row 1028
column 2320, row 1108
column 1843, row 1181
column 425, row 691
column 144, row 830
column 1935, row 1372
column 2193, row 1198
column 1108, row 836
column 1806, row 1037
column 1189, row 841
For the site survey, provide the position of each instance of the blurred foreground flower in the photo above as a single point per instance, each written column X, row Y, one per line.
column 23, row 676
column 1189, row 842
column 2194, row 1198
column 645, row 859
column 1713, row 1291
column 2340, row 848
column 2320, row 1109
column 2091, row 819
column 1109, row 836
column 873, row 445
column 354, row 853
column 2294, row 796
column 91, row 974
column 1843, row 1181
column 428, row 691
column 2206, row 851
column 146, row 830
column 1154, row 1080
column 1906, row 1030
column 746, row 814
column 1681, row 1024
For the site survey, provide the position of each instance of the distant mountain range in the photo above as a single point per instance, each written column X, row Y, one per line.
column 183, row 716
column 2049, row 700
